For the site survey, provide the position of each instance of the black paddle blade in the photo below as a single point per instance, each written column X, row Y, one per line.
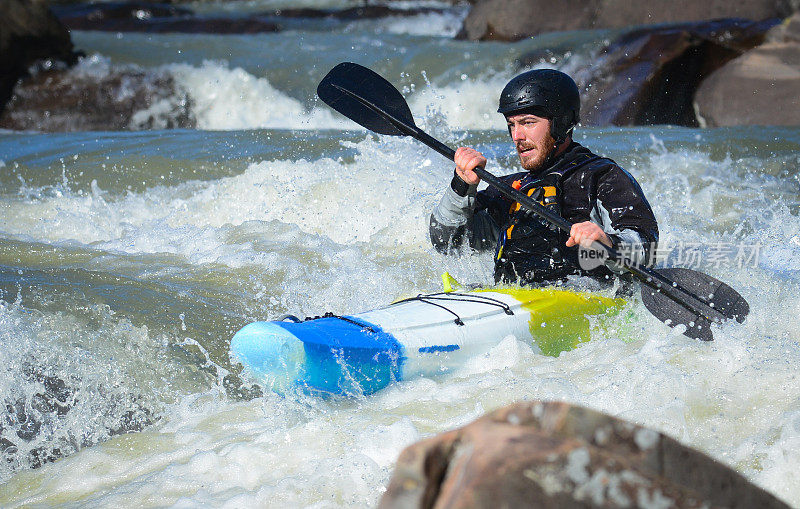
column 366, row 98
column 722, row 298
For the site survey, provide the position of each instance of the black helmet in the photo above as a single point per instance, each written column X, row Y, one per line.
column 547, row 93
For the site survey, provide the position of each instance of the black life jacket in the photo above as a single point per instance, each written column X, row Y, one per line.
column 530, row 249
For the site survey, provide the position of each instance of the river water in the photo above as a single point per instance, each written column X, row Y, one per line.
column 129, row 259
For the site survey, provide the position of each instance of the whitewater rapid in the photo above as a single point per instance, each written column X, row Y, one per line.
column 129, row 259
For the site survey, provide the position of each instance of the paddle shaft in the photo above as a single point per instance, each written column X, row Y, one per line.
column 646, row 275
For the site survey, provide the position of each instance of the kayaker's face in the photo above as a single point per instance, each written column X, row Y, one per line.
column 531, row 136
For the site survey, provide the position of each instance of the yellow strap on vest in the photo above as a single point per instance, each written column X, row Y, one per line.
column 549, row 192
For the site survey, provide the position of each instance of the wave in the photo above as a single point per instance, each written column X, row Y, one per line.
column 62, row 393
column 211, row 96
column 222, row 98
column 326, row 198
column 444, row 24
column 214, row 96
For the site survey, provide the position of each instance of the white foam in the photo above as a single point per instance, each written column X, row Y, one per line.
column 245, row 454
column 219, row 97
column 505, row 355
column 471, row 104
column 103, row 376
column 215, row 95
column 780, row 456
column 470, row 101
column 94, row 66
column 730, row 398
column 735, row 398
column 223, row 98
column 326, row 199
column 445, row 24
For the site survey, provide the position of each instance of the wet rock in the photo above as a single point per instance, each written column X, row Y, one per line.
column 29, row 33
column 197, row 26
column 153, row 17
column 554, row 455
column 758, row 88
column 31, row 426
column 75, row 14
column 352, row 13
column 158, row 18
column 650, row 75
column 621, row 13
column 511, row 20
column 60, row 101
column 236, row 388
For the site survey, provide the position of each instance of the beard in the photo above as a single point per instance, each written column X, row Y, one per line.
column 533, row 156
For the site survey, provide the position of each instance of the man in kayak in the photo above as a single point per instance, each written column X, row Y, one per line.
column 602, row 200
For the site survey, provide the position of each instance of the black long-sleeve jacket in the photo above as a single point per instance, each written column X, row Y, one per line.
column 579, row 186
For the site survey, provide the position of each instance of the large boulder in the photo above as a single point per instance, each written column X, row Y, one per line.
column 141, row 16
column 649, row 76
column 28, row 33
column 364, row 11
column 72, row 100
column 554, row 455
column 760, row 87
column 511, row 20
column 621, row 13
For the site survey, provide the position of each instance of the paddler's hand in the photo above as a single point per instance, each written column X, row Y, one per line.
column 585, row 233
column 467, row 159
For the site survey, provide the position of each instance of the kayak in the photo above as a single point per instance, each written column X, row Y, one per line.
column 426, row 335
